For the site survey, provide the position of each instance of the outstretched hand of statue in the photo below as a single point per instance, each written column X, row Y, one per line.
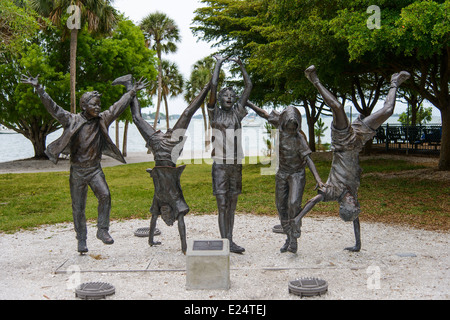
column 220, row 58
column 237, row 60
column 141, row 84
column 320, row 186
column 28, row 79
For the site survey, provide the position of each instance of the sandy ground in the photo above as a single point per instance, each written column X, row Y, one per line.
column 395, row 262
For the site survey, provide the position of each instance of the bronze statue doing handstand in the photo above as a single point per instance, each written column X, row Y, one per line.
column 168, row 200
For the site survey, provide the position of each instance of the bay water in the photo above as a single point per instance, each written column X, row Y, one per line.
column 16, row 146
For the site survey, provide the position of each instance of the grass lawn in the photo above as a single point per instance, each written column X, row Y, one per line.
column 30, row 200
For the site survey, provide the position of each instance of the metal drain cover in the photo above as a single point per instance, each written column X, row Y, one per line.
column 145, row 232
column 94, row 290
column 308, row 287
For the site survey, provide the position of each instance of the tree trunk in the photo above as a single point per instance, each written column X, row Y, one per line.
column 117, row 134
column 167, row 112
column 414, row 109
column 444, row 160
column 158, row 105
column 125, row 138
column 73, row 69
column 37, row 137
column 312, row 138
column 207, row 128
column 38, row 140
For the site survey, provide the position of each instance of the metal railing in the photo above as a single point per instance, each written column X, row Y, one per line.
column 420, row 139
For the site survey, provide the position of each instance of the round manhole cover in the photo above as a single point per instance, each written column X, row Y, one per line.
column 94, row 290
column 145, row 232
column 308, row 287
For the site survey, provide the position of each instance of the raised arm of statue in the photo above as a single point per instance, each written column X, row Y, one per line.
column 143, row 126
column 117, row 108
column 215, row 82
column 61, row 115
column 260, row 112
column 247, row 83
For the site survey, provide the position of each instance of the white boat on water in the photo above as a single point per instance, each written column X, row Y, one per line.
column 5, row 130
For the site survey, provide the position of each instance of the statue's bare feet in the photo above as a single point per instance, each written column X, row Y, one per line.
column 398, row 78
column 126, row 81
column 311, row 74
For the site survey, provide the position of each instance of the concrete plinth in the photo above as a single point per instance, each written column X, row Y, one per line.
column 208, row 264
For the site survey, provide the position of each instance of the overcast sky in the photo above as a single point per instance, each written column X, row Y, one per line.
column 189, row 49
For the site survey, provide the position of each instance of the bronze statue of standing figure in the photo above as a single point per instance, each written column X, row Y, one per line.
column 347, row 142
column 225, row 118
column 85, row 138
column 293, row 156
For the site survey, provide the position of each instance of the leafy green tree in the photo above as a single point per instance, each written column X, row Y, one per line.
column 423, row 116
column 101, row 61
column 20, row 108
column 414, row 101
column 161, row 33
column 98, row 16
column 17, row 23
column 413, row 36
column 279, row 39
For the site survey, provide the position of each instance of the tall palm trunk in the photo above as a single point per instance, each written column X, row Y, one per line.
column 117, row 134
column 158, row 105
column 207, row 126
column 73, row 69
column 167, row 112
column 125, row 139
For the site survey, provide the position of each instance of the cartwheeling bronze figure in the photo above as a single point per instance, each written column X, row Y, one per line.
column 347, row 142
column 85, row 138
column 168, row 200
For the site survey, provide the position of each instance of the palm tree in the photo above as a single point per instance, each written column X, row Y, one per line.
column 172, row 83
column 319, row 131
column 161, row 33
column 97, row 15
column 200, row 76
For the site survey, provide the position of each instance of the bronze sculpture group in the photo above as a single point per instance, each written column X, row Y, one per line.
column 86, row 138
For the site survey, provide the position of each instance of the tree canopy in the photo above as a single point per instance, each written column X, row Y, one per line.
column 17, row 23
column 100, row 61
column 279, row 39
